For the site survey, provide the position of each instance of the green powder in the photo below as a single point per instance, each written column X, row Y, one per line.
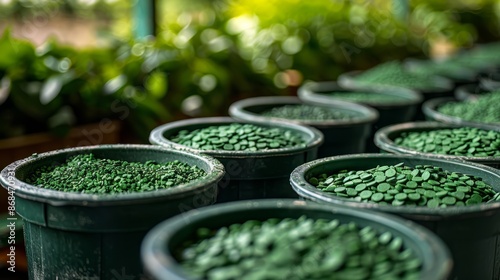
column 397, row 185
column 239, row 137
column 300, row 248
column 307, row 113
column 369, row 98
column 485, row 109
column 393, row 73
column 463, row 141
column 87, row 174
column 447, row 68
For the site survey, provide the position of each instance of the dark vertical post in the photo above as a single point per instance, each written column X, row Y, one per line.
column 144, row 15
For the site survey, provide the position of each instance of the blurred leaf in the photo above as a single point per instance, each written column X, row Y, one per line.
column 115, row 84
column 62, row 121
column 153, row 107
column 14, row 51
column 52, row 87
column 156, row 84
column 25, row 97
column 4, row 89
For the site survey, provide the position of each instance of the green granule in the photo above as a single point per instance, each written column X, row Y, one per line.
column 393, row 73
column 423, row 185
column 301, row 248
column 238, row 137
column 365, row 97
column 87, row 174
column 306, row 113
column 485, row 108
column 462, row 141
column 447, row 68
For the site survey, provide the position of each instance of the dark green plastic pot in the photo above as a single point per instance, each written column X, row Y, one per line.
column 431, row 113
column 249, row 175
column 472, row 233
column 444, row 88
column 158, row 248
column 384, row 140
column 402, row 109
column 341, row 136
column 490, row 81
column 70, row 235
column 469, row 91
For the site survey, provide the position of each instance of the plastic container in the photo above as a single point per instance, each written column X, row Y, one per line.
column 384, row 140
column 402, row 109
column 472, row 233
column 341, row 136
column 469, row 91
column 158, row 246
column 444, row 88
column 430, row 111
column 70, row 235
column 490, row 81
column 249, row 175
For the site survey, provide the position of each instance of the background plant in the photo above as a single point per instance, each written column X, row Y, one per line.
column 208, row 54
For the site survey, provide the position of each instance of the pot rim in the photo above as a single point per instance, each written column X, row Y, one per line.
column 160, row 262
column 22, row 189
column 316, row 137
column 304, row 189
column 429, row 108
column 310, row 91
column 384, row 141
column 462, row 75
column 443, row 84
column 238, row 110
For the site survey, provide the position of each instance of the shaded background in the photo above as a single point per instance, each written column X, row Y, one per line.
column 85, row 72
column 85, row 60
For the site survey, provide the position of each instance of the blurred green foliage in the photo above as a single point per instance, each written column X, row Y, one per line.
column 53, row 87
column 209, row 53
column 81, row 8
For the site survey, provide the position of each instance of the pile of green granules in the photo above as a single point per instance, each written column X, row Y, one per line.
column 300, row 248
column 460, row 141
column 306, row 113
column 367, row 97
column 486, row 108
column 239, row 137
column 423, row 185
column 87, row 174
column 393, row 73
column 448, row 68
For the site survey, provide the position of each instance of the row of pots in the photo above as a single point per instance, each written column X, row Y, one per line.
column 76, row 236
column 96, row 227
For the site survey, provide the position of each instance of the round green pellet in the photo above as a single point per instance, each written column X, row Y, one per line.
column 383, row 187
column 414, row 196
column 390, row 172
column 340, row 189
column 352, row 192
column 360, row 187
column 365, row 194
column 430, row 193
column 401, row 196
column 433, row 203
column 411, row 184
column 449, row 200
column 377, row 197
column 379, row 178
